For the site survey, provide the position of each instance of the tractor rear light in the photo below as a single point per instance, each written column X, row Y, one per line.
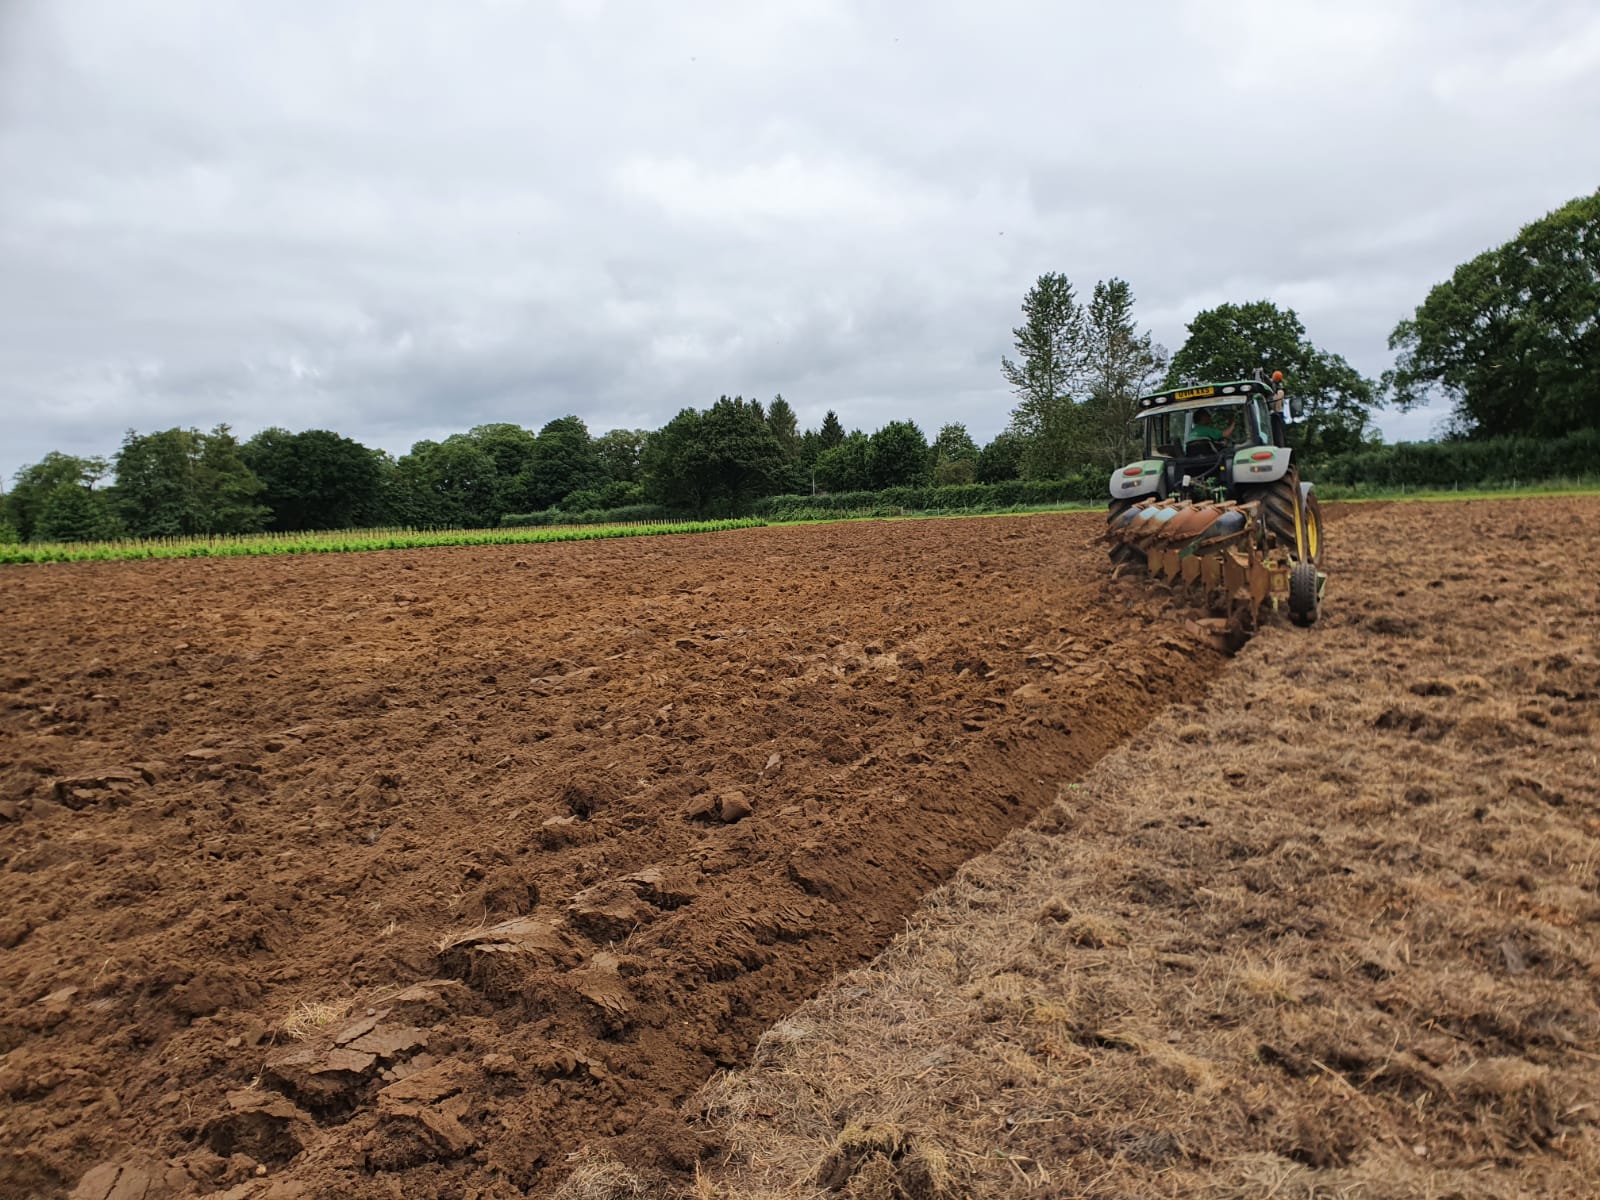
column 1133, row 471
column 1261, row 455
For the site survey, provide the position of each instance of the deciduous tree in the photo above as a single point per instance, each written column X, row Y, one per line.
column 845, row 467
column 1513, row 337
column 564, row 460
column 955, row 455
column 620, row 452
column 716, row 460
column 897, row 456
column 1051, row 361
column 72, row 512
column 32, row 484
column 181, row 482
column 1122, row 363
column 1232, row 340
column 1001, row 459
column 448, row 484
column 316, row 479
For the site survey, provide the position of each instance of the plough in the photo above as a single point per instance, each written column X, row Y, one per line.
column 1218, row 554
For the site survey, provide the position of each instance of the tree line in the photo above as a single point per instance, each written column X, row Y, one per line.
column 1512, row 339
column 185, row 482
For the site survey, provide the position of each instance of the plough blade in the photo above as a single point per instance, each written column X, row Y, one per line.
column 1217, row 553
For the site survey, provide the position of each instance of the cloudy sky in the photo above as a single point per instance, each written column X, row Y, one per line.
column 399, row 219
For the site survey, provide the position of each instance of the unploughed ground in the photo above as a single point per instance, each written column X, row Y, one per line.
column 1331, row 929
column 419, row 873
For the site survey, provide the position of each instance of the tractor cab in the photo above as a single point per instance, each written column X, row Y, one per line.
column 1206, row 439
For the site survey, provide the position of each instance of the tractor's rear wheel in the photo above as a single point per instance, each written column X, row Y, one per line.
column 1122, row 554
column 1304, row 604
column 1278, row 504
column 1313, row 517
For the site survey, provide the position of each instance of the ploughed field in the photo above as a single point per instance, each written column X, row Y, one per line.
column 420, row 873
column 1331, row 928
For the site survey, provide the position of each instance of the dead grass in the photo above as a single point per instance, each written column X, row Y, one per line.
column 311, row 1017
column 600, row 1177
column 1329, row 931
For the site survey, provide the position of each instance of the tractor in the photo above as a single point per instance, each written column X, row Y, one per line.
column 1217, row 505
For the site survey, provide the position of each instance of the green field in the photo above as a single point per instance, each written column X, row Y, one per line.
column 342, row 541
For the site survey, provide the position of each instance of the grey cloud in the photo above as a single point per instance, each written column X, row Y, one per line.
column 401, row 220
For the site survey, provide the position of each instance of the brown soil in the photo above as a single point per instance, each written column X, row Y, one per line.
column 1332, row 930
column 419, row 873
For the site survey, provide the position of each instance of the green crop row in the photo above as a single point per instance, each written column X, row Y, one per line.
column 341, row 542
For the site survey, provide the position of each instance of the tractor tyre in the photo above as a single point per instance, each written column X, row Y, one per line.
column 1304, row 604
column 1313, row 518
column 1278, row 504
column 1122, row 554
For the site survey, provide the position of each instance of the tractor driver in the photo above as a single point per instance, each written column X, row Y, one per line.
column 1205, row 427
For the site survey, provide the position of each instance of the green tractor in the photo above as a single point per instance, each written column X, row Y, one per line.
column 1217, row 502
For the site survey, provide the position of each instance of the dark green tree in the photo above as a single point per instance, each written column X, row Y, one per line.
column 33, row 483
column 1001, row 459
column 514, row 452
column 72, row 512
column 812, row 444
column 897, row 456
column 181, row 482
column 1052, row 359
column 676, row 465
column 785, row 426
column 316, row 479
column 621, row 453
column 831, row 432
column 845, row 467
column 1232, row 340
column 230, row 491
column 799, row 457
column 806, row 453
column 564, row 460
column 448, row 484
column 716, row 460
column 1122, row 363
column 1512, row 338
column 955, row 456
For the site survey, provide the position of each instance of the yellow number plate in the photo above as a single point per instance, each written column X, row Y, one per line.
column 1193, row 392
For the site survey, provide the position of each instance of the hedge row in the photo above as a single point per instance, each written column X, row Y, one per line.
column 631, row 514
column 1467, row 464
column 960, row 497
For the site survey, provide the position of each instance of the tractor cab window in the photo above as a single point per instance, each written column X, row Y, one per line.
column 1262, row 434
column 1187, row 432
